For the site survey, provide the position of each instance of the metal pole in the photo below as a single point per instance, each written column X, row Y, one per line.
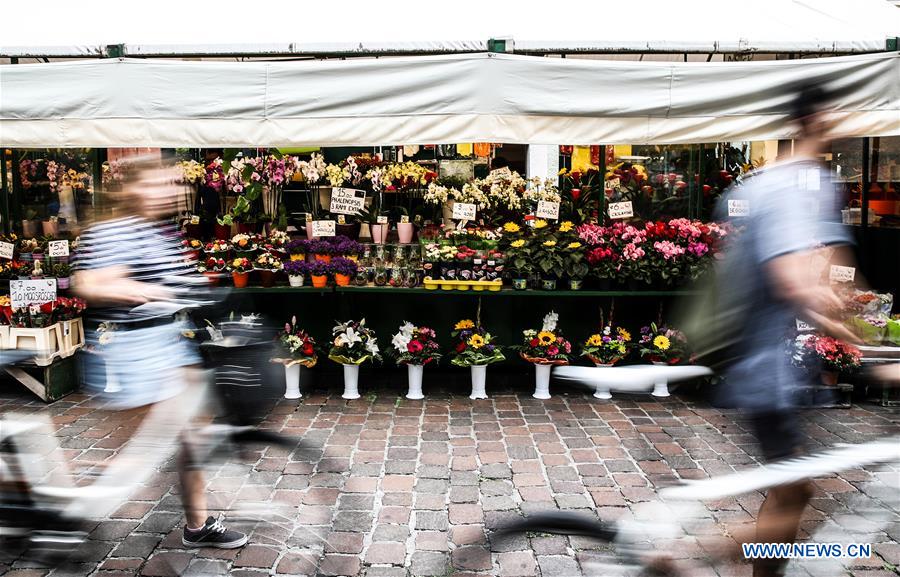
column 864, row 209
column 4, row 186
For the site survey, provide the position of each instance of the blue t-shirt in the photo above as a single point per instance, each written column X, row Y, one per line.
column 790, row 207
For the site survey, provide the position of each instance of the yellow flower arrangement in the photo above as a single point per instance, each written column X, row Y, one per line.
column 517, row 243
column 624, row 334
column 546, row 338
column 566, row 226
column 236, row 263
column 661, row 342
column 511, row 227
column 476, row 341
column 595, row 340
column 540, row 223
column 574, row 245
column 464, row 324
column 550, row 243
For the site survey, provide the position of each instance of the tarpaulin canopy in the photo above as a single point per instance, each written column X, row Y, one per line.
column 432, row 99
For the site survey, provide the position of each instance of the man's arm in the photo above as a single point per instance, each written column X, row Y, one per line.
column 111, row 286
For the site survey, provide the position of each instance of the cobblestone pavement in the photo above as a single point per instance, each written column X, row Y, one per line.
column 411, row 487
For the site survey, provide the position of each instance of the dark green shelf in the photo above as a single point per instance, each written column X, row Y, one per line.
column 506, row 292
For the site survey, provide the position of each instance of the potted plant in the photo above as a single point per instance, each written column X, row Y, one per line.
column 405, row 228
column 296, row 270
column 277, row 241
column 267, row 264
column 300, row 349
column 346, row 247
column 353, row 344
column 240, row 268
column 223, row 226
column 605, row 349
column 546, row 255
column 415, row 347
column 296, row 249
column 192, row 247
column 217, row 249
column 544, row 349
column 243, row 245
column 574, row 264
column 62, row 272
column 826, row 355
column 318, row 272
column 343, row 270
column 321, row 250
column 212, row 269
column 474, row 348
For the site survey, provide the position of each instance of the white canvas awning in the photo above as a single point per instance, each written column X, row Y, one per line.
column 431, row 99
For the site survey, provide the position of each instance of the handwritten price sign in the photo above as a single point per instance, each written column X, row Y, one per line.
column 621, row 210
column 464, row 211
column 323, row 228
column 841, row 273
column 6, row 250
column 547, row 209
column 347, row 200
column 23, row 293
column 737, row 207
column 59, row 248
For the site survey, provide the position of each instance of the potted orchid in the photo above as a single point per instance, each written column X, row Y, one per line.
column 353, row 344
column 296, row 270
column 300, row 349
column 605, row 349
column 415, row 347
column 475, row 348
column 544, row 349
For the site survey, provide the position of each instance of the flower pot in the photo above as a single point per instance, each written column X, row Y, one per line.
column 240, row 279
column 244, row 228
column 602, row 390
column 62, row 282
column 414, row 373
column 350, row 230
column 342, row 279
column 520, row 284
column 319, row 281
column 548, row 284
column 29, row 228
column 193, row 230
column 295, row 280
column 479, row 374
column 267, row 278
column 364, row 231
column 212, row 278
column 50, row 227
column 379, row 232
column 542, row 381
column 309, row 231
column 405, row 231
column 26, row 257
column 292, row 381
column 829, row 378
column 574, row 284
column 326, row 258
column 351, row 382
column 223, row 231
column 296, row 257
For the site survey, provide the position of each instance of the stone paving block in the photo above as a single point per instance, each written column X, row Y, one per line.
column 433, row 520
column 389, row 553
column 345, row 542
column 390, row 533
column 560, row 565
column 167, row 564
column 137, row 546
column 334, row 564
column 256, row 556
column 428, row 563
column 517, row 564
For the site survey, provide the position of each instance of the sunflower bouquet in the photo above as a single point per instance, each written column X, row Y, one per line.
column 547, row 346
column 474, row 345
column 662, row 345
column 607, row 347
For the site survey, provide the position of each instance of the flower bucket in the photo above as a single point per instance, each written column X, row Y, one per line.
column 223, row 231
column 602, row 390
column 829, row 378
column 319, row 281
column 379, row 232
column 244, row 228
column 62, row 282
column 405, row 231
column 295, row 280
column 193, row 230
column 479, row 375
column 575, row 284
column 267, row 278
column 240, row 279
column 351, row 382
column 414, row 373
column 296, row 257
column 212, row 278
column 548, row 284
column 520, row 284
column 542, row 380
column 326, row 258
column 50, row 227
column 342, row 279
column 292, row 381
column 364, row 231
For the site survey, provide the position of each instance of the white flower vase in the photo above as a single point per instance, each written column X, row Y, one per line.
column 292, row 381
column 351, row 382
column 602, row 390
column 542, row 381
column 295, row 280
column 661, row 386
column 415, row 381
column 479, row 374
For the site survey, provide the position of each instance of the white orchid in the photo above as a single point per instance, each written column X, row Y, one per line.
column 550, row 321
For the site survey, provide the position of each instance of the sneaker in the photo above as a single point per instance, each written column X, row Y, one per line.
column 213, row 534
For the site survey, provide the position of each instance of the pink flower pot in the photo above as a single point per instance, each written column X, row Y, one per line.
column 405, row 231
column 379, row 233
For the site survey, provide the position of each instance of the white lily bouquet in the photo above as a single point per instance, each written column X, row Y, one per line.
column 353, row 343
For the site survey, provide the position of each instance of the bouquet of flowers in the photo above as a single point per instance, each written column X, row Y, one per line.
column 278, row 239
column 813, row 351
column 353, row 343
column 240, row 265
column 607, row 347
column 415, row 345
column 474, row 346
column 298, row 344
column 211, row 264
column 192, row 244
column 217, row 246
column 267, row 261
column 67, row 309
column 243, row 242
column 662, row 345
column 547, row 346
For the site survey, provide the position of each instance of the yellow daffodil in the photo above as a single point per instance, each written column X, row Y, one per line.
column 476, row 341
column 626, row 336
column 546, row 338
column 573, row 245
column 595, row 341
column 511, row 227
column 540, row 223
column 550, row 243
column 661, row 342
column 464, row 324
column 566, row 226
column 517, row 243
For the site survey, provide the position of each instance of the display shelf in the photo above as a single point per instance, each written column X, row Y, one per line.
column 276, row 290
column 512, row 292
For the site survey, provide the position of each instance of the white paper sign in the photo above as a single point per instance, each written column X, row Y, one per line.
column 803, row 327
column 381, row 220
column 547, row 209
column 347, row 200
column 620, row 210
column 738, row 207
column 23, row 293
column 404, row 219
column 841, row 273
column 323, row 228
column 613, row 183
column 464, row 211
column 59, row 248
column 342, row 219
column 6, row 250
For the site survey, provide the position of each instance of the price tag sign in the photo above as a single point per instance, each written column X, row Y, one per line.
column 6, row 250
column 381, row 220
column 323, row 228
column 347, row 200
column 841, row 273
column 547, row 209
column 342, row 219
column 195, row 219
column 803, row 327
column 464, row 211
column 621, row 210
column 613, row 183
column 738, row 207
column 24, row 293
column 404, row 219
column 59, row 248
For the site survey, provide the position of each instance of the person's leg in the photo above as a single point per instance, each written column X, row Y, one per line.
column 193, row 490
column 778, row 521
